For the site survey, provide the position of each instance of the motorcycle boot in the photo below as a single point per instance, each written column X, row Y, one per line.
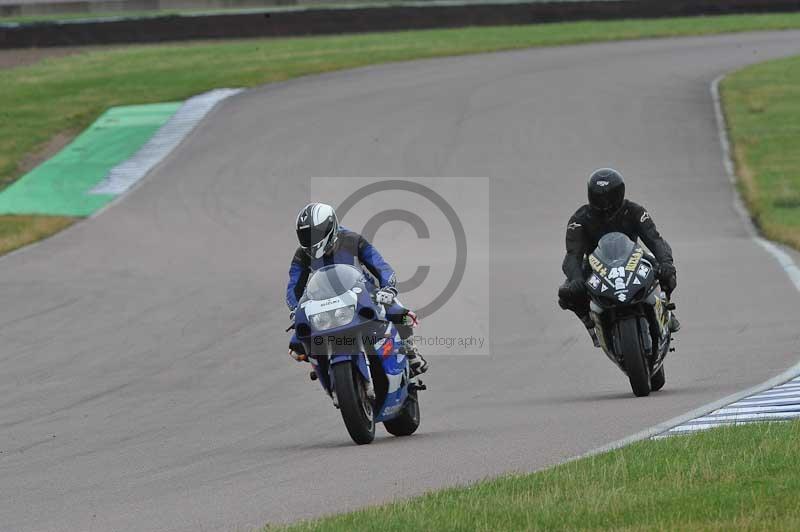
column 415, row 360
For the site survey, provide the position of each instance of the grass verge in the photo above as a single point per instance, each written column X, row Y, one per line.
column 762, row 107
column 731, row 478
column 18, row 231
column 43, row 100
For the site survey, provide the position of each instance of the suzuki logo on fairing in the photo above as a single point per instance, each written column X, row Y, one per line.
column 329, row 302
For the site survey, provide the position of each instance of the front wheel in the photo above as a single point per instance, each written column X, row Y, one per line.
column 356, row 408
column 633, row 356
column 407, row 422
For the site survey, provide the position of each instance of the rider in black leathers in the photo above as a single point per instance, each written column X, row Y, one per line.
column 608, row 211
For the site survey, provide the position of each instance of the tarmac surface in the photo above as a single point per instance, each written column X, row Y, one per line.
column 144, row 381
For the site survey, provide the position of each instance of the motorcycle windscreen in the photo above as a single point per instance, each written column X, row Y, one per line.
column 332, row 281
column 614, row 249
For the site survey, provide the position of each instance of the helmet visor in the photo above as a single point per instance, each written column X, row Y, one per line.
column 607, row 202
column 603, row 202
column 311, row 236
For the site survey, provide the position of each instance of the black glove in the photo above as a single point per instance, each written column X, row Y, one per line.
column 297, row 351
column 668, row 277
column 570, row 294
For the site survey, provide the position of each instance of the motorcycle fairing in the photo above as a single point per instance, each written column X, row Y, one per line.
column 395, row 365
column 375, row 340
column 393, row 362
column 359, row 299
column 623, row 285
column 311, row 307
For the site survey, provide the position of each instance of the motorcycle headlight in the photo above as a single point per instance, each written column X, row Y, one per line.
column 333, row 318
column 344, row 315
column 321, row 321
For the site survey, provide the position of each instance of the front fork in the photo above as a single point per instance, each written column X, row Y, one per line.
column 363, row 365
column 606, row 338
column 656, row 345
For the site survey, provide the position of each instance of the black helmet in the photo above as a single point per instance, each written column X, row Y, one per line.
column 606, row 192
column 317, row 229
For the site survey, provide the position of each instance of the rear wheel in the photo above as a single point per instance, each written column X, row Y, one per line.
column 633, row 356
column 356, row 408
column 407, row 422
column 657, row 381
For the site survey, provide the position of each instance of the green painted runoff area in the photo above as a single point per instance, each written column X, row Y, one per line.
column 60, row 185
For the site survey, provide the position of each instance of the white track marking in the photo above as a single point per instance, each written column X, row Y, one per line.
column 123, row 176
column 748, row 403
column 770, row 395
column 736, row 409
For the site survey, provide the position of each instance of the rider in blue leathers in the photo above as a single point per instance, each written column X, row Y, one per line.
column 323, row 242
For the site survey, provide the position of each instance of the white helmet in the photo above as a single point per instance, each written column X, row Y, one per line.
column 317, row 229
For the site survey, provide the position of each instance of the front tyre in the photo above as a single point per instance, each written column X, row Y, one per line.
column 356, row 408
column 633, row 356
column 407, row 422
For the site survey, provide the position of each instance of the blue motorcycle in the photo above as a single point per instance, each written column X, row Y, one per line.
column 356, row 353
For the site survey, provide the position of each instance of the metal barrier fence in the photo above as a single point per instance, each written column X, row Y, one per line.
column 321, row 21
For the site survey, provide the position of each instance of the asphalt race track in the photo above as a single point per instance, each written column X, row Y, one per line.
column 144, row 383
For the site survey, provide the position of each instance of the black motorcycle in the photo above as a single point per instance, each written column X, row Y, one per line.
column 630, row 311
